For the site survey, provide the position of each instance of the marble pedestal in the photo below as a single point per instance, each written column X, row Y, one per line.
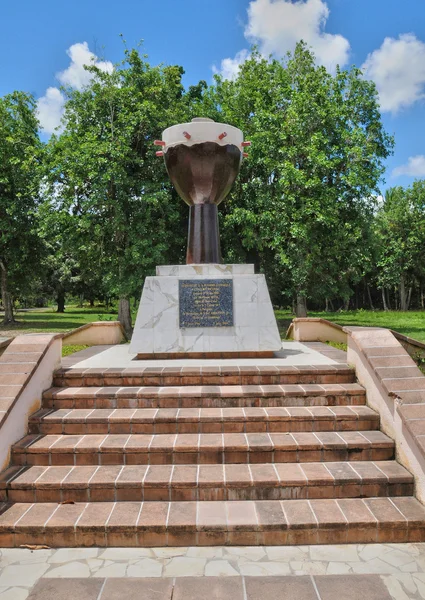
column 157, row 331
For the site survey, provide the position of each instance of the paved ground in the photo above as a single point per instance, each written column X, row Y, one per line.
column 349, row 572
column 292, row 353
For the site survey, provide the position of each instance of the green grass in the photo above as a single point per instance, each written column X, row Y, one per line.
column 52, row 321
column 67, row 350
column 410, row 323
column 338, row 345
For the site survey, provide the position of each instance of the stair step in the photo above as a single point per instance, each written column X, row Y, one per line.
column 326, row 394
column 147, row 524
column 205, row 482
column 205, row 448
column 203, row 420
column 205, row 375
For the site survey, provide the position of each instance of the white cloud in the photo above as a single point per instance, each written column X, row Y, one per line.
column 415, row 167
column 277, row 25
column 50, row 106
column 50, row 109
column 398, row 69
column 76, row 76
column 229, row 67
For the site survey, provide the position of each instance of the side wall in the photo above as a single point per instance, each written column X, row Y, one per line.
column 395, row 387
column 26, row 370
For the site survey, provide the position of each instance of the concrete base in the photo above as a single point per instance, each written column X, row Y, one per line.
column 157, row 330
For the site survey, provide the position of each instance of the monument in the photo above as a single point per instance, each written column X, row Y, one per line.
column 204, row 309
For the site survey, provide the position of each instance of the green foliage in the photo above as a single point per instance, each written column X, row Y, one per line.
column 21, row 154
column 122, row 218
column 93, row 212
column 304, row 198
column 400, row 229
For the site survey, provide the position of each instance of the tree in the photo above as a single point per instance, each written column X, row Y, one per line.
column 103, row 171
column 305, row 196
column 400, row 227
column 20, row 173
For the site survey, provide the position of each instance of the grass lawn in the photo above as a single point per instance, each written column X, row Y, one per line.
column 410, row 323
column 48, row 320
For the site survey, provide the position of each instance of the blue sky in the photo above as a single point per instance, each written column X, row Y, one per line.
column 200, row 35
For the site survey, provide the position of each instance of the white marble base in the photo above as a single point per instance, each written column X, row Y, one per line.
column 157, row 324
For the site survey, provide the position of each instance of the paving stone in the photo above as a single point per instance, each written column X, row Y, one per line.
column 351, row 587
column 124, row 554
column 64, row 589
column 205, row 552
column 137, row 589
column 220, row 568
column 182, row 566
column 114, row 570
column 308, row 567
column 338, row 568
column 15, row 593
column 341, row 553
column 147, row 567
column 64, row 555
column 397, row 558
column 70, row 569
column 16, row 574
column 376, row 565
column 287, row 553
column 280, row 588
column 213, row 588
column 251, row 553
column 395, row 588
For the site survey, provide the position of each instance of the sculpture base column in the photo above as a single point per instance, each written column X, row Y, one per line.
column 204, row 239
column 174, row 319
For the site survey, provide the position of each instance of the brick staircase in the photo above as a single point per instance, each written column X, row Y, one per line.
column 206, row 455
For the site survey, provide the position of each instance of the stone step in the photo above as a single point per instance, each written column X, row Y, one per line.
column 203, row 420
column 326, row 394
column 204, row 375
column 147, row 524
column 204, row 448
column 115, row 483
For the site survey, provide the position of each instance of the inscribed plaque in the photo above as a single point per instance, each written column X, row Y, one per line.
column 206, row 302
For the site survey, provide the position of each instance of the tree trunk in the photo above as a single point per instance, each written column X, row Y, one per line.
column 388, row 299
column 301, row 306
column 409, row 297
column 124, row 316
column 422, row 298
column 91, row 302
column 370, row 297
column 6, row 297
column 384, row 302
column 81, row 301
column 326, row 305
column 60, row 300
column 403, row 294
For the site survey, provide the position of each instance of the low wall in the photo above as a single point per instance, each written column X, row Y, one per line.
column 316, row 330
column 26, row 370
column 395, row 387
column 4, row 344
column 99, row 333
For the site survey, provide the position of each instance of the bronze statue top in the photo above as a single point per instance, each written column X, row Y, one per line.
column 202, row 160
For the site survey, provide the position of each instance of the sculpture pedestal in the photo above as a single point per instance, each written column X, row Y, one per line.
column 205, row 311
